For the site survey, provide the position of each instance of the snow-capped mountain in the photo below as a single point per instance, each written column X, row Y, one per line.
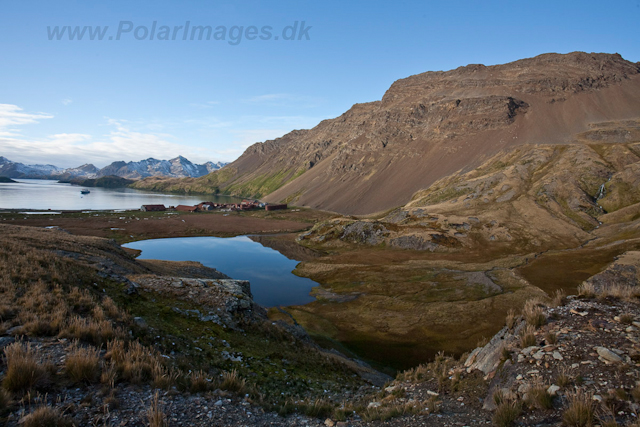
column 179, row 167
column 19, row 170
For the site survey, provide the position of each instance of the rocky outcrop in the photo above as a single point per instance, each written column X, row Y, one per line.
column 377, row 154
column 223, row 301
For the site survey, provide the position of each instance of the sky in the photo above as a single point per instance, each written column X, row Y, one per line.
column 147, row 89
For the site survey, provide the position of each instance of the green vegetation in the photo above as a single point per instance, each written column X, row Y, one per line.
column 105, row 181
column 260, row 185
column 51, row 294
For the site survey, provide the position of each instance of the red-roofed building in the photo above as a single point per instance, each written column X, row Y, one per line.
column 185, row 208
column 153, row 208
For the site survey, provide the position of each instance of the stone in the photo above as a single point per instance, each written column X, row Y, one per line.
column 329, row 422
column 432, row 393
column 374, row 405
column 553, row 389
column 527, row 351
column 472, row 357
column 488, row 358
column 557, row 355
column 140, row 322
column 539, row 355
column 608, row 355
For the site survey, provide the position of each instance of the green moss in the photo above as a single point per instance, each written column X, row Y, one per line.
column 261, row 185
column 273, row 363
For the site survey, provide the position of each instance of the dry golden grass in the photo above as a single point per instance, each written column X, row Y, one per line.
column 109, row 375
column 533, row 313
column 619, row 291
column 527, row 336
column 231, row 381
column 82, row 365
column 155, row 415
column 46, row 416
column 138, row 364
column 580, row 411
column 90, row 331
column 24, row 372
column 198, row 382
column 538, row 397
column 559, row 298
column 587, row 290
column 164, row 377
column 506, row 413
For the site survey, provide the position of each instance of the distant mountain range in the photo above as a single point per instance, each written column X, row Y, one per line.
column 178, row 167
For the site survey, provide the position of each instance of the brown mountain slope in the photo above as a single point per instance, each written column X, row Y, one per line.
column 377, row 155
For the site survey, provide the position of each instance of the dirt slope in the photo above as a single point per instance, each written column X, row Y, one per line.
column 377, row 155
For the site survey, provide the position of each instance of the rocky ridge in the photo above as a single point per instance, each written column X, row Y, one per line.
column 377, row 155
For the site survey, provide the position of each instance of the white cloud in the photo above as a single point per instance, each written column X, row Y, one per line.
column 208, row 104
column 270, row 97
column 131, row 140
column 66, row 101
column 73, row 149
column 11, row 115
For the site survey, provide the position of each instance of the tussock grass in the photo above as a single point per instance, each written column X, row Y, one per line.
column 24, row 373
column 551, row 338
column 387, row 412
column 559, row 298
column 163, row 377
column 46, row 416
column 231, row 381
column 82, row 365
column 618, row 291
column 506, row 413
column 534, row 314
column 198, row 382
column 318, row 408
column 527, row 336
column 580, row 411
column 626, row 318
column 90, row 331
column 564, row 378
column 587, row 290
column 155, row 414
column 538, row 397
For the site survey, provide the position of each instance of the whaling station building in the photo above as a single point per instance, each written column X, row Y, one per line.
column 211, row 206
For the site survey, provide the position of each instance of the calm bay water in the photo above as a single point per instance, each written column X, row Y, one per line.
column 46, row 194
column 269, row 272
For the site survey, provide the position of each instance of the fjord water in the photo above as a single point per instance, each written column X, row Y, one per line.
column 270, row 272
column 48, row 194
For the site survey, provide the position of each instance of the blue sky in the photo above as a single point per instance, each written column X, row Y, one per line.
column 70, row 102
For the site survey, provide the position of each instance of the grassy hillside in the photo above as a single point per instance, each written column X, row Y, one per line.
column 57, row 286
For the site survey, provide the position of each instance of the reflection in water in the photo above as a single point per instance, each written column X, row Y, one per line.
column 269, row 272
column 46, row 194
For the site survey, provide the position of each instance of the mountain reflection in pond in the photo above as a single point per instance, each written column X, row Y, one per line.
column 270, row 272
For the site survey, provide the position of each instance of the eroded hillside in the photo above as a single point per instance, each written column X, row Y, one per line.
column 377, row 155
